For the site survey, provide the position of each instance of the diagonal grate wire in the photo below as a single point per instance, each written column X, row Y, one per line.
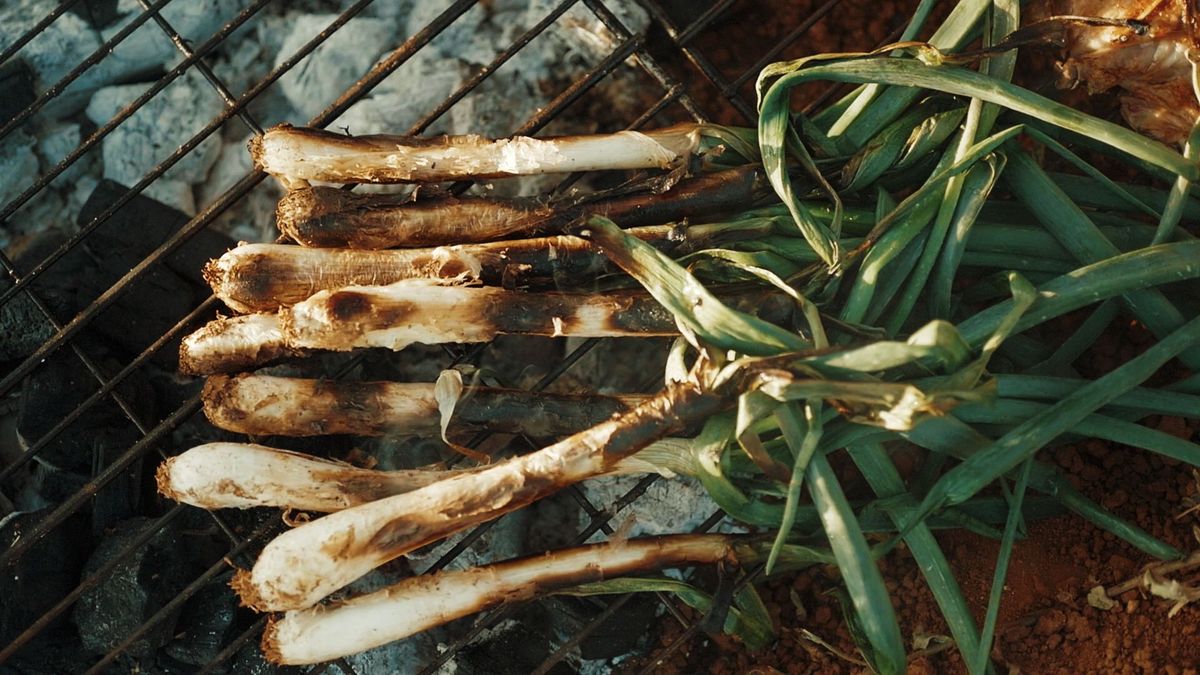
column 628, row 47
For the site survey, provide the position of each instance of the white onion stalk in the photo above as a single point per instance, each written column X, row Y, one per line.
column 242, row 475
column 305, row 564
column 245, row 475
column 231, row 344
column 423, row 602
column 296, row 155
column 263, row 405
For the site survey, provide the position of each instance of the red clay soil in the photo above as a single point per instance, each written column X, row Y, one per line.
column 1046, row 624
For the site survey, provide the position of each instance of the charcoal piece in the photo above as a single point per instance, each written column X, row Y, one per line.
column 39, row 578
column 98, row 13
column 206, row 623
column 58, row 287
column 16, row 88
column 519, row 646
column 140, row 225
column 135, row 590
column 59, row 652
column 59, row 386
column 621, row 633
column 119, row 499
column 155, row 303
column 55, row 485
column 22, row 327
column 251, row 661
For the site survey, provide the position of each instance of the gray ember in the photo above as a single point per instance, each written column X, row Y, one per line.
column 133, row 592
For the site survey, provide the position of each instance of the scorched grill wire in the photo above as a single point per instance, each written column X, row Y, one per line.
column 193, row 57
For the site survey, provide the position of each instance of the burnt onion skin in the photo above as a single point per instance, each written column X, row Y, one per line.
column 325, row 217
column 265, row 277
column 264, row 405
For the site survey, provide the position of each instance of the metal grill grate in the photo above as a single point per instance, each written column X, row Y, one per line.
column 670, row 60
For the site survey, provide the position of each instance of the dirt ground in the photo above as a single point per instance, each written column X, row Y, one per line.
column 1046, row 624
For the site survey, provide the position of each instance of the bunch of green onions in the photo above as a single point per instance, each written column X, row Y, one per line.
column 816, row 313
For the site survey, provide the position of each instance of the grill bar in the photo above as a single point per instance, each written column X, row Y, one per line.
column 203, row 309
column 89, row 583
column 236, row 644
column 177, row 602
column 98, row 135
column 627, row 45
column 475, row 80
column 699, row 60
column 95, row 57
column 209, row 75
column 37, row 29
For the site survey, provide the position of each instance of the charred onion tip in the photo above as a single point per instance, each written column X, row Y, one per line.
column 270, row 641
column 212, row 272
column 247, row 594
column 162, row 479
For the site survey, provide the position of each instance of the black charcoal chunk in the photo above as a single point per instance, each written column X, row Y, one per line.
column 250, row 660
column 622, row 633
column 519, row 646
column 145, row 580
column 40, row 577
column 206, row 624
column 58, row 387
column 142, row 223
column 22, row 327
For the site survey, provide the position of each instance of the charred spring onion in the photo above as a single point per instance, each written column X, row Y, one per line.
column 309, row 562
column 261, row 405
column 407, row 312
column 329, row 217
column 244, row 475
column 296, row 155
column 419, row 603
column 230, row 344
column 240, row 476
column 265, row 277
column 419, row 311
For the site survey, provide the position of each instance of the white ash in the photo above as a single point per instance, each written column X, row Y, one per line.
column 53, row 52
column 152, row 133
column 148, row 46
column 668, row 506
column 54, row 144
column 340, row 61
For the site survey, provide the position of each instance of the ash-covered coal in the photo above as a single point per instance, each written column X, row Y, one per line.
column 133, row 592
